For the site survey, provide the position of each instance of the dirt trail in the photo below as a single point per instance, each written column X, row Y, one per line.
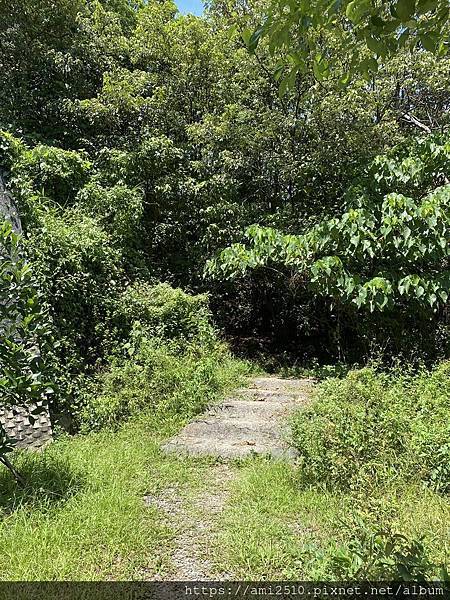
column 193, row 519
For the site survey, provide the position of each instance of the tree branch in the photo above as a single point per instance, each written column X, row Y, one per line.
column 414, row 121
column 17, row 476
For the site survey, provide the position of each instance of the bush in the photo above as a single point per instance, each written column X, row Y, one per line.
column 377, row 427
column 80, row 276
column 382, row 554
column 158, row 377
column 118, row 209
column 80, row 273
column 11, row 149
column 55, row 172
column 172, row 360
column 163, row 311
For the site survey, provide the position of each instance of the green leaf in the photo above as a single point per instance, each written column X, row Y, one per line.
column 283, row 86
column 425, row 6
column 246, row 34
column 317, row 72
column 443, row 295
column 420, row 291
column 372, row 65
column 320, row 68
column 376, row 45
column 405, row 9
column 356, row 10
column 278, row 72
column 254, row 39
column 231, row 31
column 345, row 80
column 429, row 41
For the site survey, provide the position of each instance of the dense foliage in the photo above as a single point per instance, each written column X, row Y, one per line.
column 388, row 252
column 138, row 142
column 371, row 436
column 367, row 33
column 172, row 360
column 158, row 376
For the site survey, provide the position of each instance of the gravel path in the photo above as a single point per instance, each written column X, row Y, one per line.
column 194, row 522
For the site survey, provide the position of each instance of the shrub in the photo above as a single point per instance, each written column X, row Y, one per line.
column 163, row 311
column 11, row 149
column 172, row 361
column 118, row 209
column 376, row 427
column 382, row 554
column 24, row 331
column 79, row 271
column 158, row 377
column 55, row 172
column 80, row 275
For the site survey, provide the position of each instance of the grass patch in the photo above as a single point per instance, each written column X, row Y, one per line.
column 82, row 514
column 170, row 378
column 367, row 497
column 276, row 527
column 370, row 428
column 92, row 523
column 271, row 528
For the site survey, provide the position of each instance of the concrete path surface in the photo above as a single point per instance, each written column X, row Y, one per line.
column 252, row 420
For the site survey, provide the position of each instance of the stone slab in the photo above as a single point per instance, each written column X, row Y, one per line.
column 255, row 420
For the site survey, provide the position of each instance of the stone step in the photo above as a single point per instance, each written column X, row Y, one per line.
column 240, row 408
column 259, row 395
column 225, row 428
column 254, row 421
column 276, row 383
column 232, row 448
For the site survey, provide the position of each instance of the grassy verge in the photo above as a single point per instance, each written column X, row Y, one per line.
column 270, row 529
column 276, row 527
column 82, row 515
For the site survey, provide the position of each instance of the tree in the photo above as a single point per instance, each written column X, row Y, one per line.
column 388, row 252
column 348, row 36
column 55, row 51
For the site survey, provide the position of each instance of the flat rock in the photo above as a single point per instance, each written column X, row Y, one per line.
column 253, row 421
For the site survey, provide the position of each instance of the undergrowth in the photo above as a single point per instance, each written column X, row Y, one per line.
column 159, row 376
column 278, row 526
column 372, row 428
